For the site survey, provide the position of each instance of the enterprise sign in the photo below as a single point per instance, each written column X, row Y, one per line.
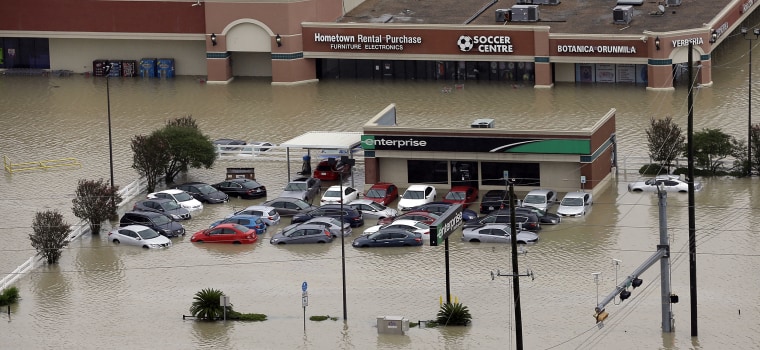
column 475, row 144
column 449, row 221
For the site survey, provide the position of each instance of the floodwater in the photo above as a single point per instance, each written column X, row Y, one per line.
column 126, row 298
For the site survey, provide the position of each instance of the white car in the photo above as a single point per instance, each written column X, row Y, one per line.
column 139, row 235
column 182, row 198
column 496, row 234
column 540, row 198
column 409, row 225
column 416, row 195
column 371, row 208
column 332, row 195
column 575, row 204
column 268, row 215
column 671, row 183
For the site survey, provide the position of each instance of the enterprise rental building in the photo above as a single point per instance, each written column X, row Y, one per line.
column 533, row 42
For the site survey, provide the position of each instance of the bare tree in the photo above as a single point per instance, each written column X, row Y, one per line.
column 151, row 157
column 49, row 237
column 95, row 202
column 666, row 141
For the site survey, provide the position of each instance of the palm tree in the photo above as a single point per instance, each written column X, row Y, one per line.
column 454, row 314
column 207, row 305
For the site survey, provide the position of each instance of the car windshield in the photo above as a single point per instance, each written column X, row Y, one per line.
column 148, row 233
column 455, row 195
column 414, row 195
column 572, row 202
column 421, row 225
column 183, row 197
column 534, row 199
column 296, row 186
column 375, row 193
column 301, row 204
column 171, row 205
column 377, row 206
column 240, row 228
column 332, row 193
column 251, row 184
column 161, row 220
column 206, row 189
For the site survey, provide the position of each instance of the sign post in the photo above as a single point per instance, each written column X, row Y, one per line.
column 440, row 230
column 304, row 302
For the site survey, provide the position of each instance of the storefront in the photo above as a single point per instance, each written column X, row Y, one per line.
column 481, row 155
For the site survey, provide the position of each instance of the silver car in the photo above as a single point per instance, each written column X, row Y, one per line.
column 671, row 183
column 267, row 214
column 373, row 209
column 496, row 234
column 305, row 188
column 330, row 223
column 575, row 204
column 302, row 233
column 139, row 235
column 540, row 198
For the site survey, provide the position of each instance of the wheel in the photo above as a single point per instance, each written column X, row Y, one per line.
column 475, row 240
column 199, row 241
column 637, row 190
column 235, row 242
column 321, row 242
column 280, row 243
column 116, row 241
column 145, row 247
column 364, row 246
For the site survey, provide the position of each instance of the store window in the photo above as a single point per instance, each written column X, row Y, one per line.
column 428, row 171
column 525, row 174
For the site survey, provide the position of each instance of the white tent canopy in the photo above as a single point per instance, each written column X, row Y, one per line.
column 324, row 140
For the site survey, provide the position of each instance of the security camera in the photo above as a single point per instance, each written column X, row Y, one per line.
column 197, row 3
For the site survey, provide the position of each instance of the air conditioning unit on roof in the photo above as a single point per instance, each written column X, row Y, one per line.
column 502, row 15
column 544, row 2
column 622, row 14
column 524, row 13
column 673, row 2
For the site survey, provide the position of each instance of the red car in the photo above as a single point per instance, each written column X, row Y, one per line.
column 463, row 195
column 327, row 172
column 226, row 233
column 382, row 192
column 422, row 216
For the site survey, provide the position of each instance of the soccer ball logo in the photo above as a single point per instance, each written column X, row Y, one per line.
column 465, row 43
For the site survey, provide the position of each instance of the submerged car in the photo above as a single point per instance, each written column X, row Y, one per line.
column 332, row 195
column 204, row 192
column 331, row 170
column 182, row 198
column 670, row 183
column 304, row 188
column 463, row 195
column 382, row 192
column 441, row 207
column 139, row 235
column 331, row 224
column 410, row 225
column 496, row 234
column 243, row 188
column 389, row 237
column 494, row 200
column 266, row 213
column 159, row 222
column 540, row 198
column 250, row 221
column 575, row 204
column 226, row 233
column 288, row 206
column 416, row 195
column 426, row 217
column 373, row 209
column 348, row 214
column 302, row 233
column 165, row 206
column 525, row 221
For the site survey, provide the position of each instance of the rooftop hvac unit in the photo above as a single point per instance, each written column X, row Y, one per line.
column 482, row 123
column 673, row 2
column 502, row 15
column 525, row 2
column 524, row 13
column 543, row 2
column 622, row 14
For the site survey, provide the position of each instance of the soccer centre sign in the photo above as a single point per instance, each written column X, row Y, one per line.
column 446, row 224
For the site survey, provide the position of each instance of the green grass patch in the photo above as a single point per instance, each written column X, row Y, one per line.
column 319, row 318
column 246, row 317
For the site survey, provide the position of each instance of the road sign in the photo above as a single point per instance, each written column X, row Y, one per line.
column 304, row 286
column 506, row 174
column 305, row 300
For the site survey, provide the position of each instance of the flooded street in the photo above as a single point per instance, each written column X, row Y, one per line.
column 126, row 298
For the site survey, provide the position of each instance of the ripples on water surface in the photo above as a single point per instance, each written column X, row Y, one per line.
column 129, row 298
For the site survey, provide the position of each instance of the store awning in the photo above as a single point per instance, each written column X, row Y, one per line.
column 325, row 140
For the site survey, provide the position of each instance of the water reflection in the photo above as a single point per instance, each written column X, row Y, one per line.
column 211, row 335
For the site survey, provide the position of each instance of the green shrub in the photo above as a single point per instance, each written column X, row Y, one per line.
column 234, row 315
column 653, row 169
column 9, row 296
column 454, row 314
column 322, row 318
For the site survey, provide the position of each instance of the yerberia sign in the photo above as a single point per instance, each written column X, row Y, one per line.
column 446, row 224
column 367, row 42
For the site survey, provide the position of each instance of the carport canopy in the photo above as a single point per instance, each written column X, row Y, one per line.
column 329, row 140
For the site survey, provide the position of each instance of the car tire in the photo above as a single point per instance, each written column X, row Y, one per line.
column 321, row 242
column 475, row 240
column 236, row 242
column 145, row 247
column 280, row 243
column 199, row 241
column 116, row 241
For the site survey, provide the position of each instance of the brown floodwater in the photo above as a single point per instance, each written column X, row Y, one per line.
column 123, row 297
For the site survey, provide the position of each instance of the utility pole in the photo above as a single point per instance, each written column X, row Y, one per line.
column 692, row 224
column 515, row 269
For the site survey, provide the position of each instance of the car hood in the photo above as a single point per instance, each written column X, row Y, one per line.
column 293, row 194
column 570, row 210
column 408, row 203
column 192, row 204
column 218, row 195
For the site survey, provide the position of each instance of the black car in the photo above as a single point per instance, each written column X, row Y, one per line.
column 494, row 200
column 160, row 223
column 204, row 192
column 288, row 206
column 349, row 214
column 525, row 220
column 389, row 237
column 164, row 206
column 441, row 207
column 243, row 188
column 544, row 216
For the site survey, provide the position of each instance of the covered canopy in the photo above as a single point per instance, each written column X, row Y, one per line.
column 325, row 140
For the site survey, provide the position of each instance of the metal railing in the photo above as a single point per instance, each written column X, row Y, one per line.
column 278, row 153
column 128, row 193
column 11, row 167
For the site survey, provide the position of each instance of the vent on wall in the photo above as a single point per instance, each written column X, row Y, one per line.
column 482, row 123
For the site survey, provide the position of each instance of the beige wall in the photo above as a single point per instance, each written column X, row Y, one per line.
column 564, row 72
column 251, row 64
column 77, row 54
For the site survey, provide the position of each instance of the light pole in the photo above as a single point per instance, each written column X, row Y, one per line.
column 756, row 32
column 107, row 71
column 350, row 162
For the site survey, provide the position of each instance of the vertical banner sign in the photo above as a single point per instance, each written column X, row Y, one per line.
column 447, row 223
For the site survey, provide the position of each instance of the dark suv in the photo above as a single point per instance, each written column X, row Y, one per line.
column 525, row 220
column 161, row 223
column 350, row 215
column 305, row 188
column 494, row 200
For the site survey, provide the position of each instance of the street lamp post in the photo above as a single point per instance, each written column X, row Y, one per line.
column 107, row 71
column 350, row 162
column 756, row 32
